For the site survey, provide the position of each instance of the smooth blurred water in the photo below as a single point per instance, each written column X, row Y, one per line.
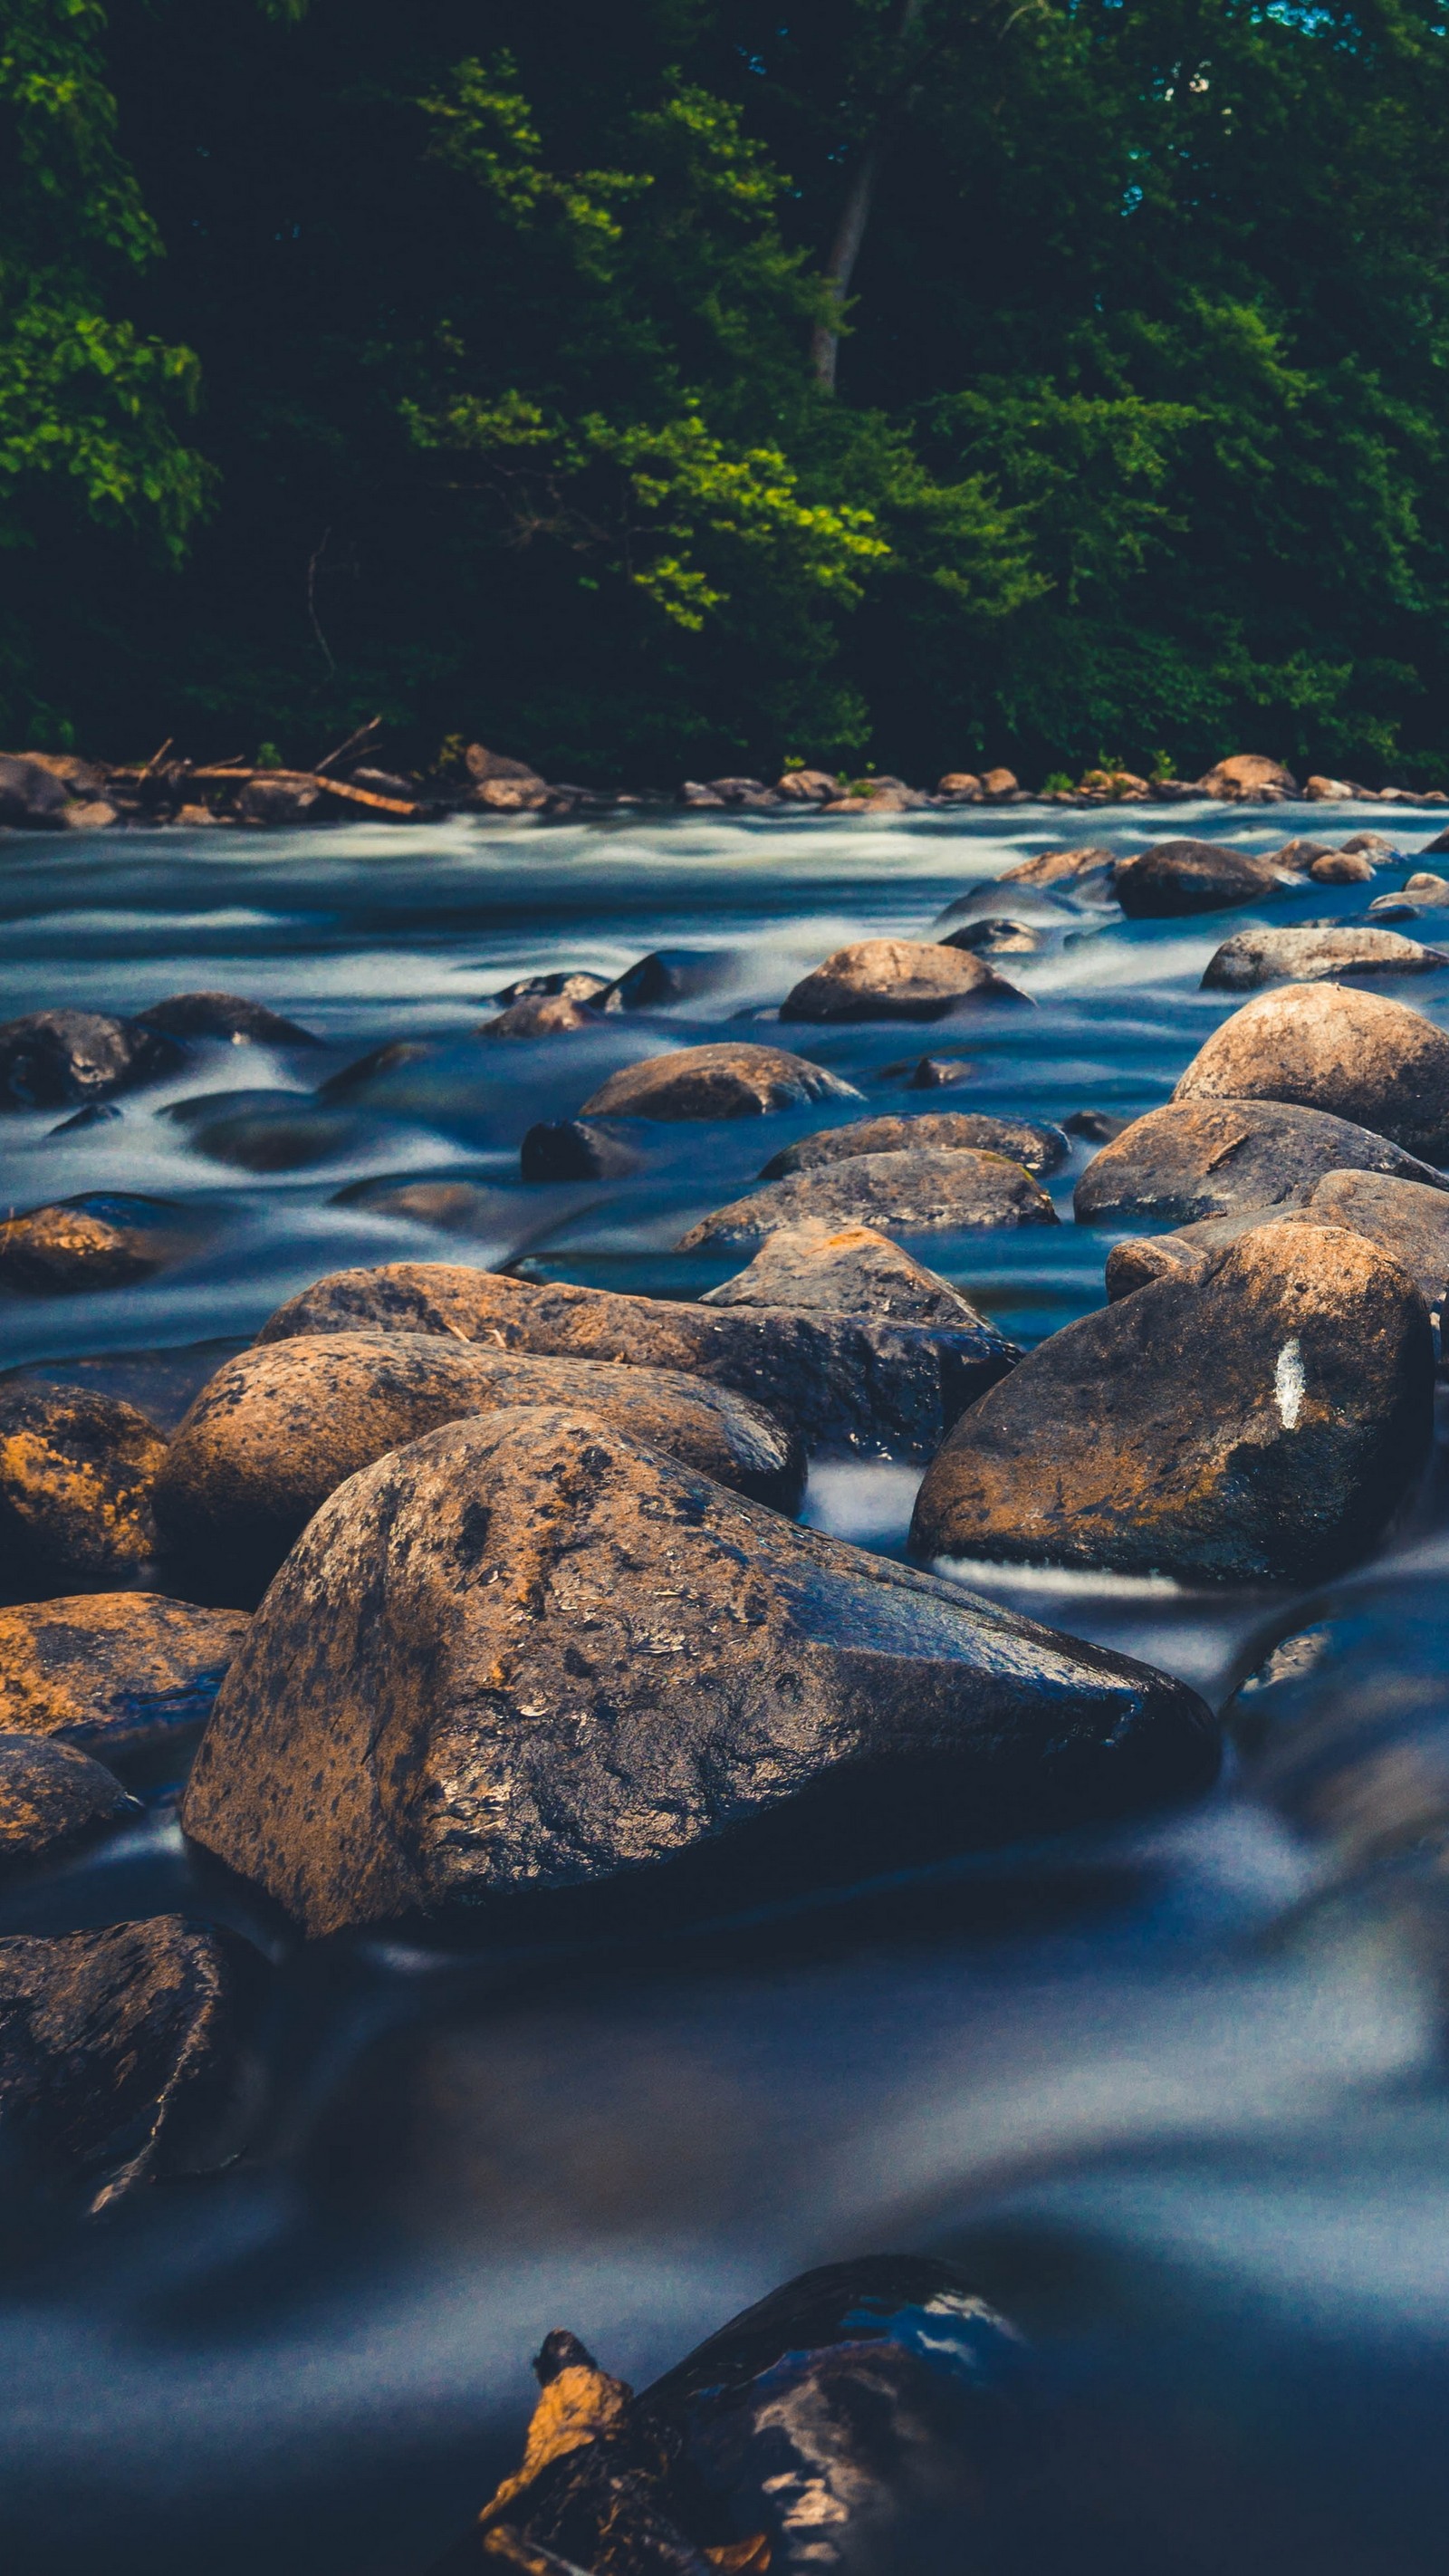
column 1175, row 2095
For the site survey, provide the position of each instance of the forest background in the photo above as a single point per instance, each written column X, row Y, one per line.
column 692, row 385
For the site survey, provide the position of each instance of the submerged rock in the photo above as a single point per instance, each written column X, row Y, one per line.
column 930, row 1191
column 62, row 1250
column 895, row 979
column 1404, row 1218
column 1257, row 1423
column 52, row 1059
column 667, row 975
column 76, row 1472
column 993, row 935
column 263, row 1131
column 278, row 1429
column 51, row 1795
column 939, row 1072
column 1035, row 1147
column 1201, row 1158
column 845, row 1270
column 541, row 1015
column 1084, row 874
column 730, row 1080
column 116, row 1673
column 1325, row 1046
column 568, row 983
column 1175, row 878
column 352, row 1079
column 118, row 2052
column 453, row 1207
column 839, row 1381
column 577, row 1149
column 223, row 1015
column 530, row 1653
column 1311, row 956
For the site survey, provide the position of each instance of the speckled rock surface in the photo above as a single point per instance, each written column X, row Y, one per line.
column 1201, row 1158
column 277, row 1429
column 1257, row 1423
column 116, row 1673
column 1405, row 1220
column 846, row 1382
column 528, row 1653
column 51, row 1795
column 928, row 1191
column 1315, row 956
column 51, row 1059
column 895, row 979
column 541, row 1015
column 1175, row 878
column 845, row 1270
column 1038, row 1148
column 76, row 1472
column 60, row 1251
column 730, row 1080
column 1325, row 1046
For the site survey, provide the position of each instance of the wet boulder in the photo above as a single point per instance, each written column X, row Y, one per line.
column 562, row 984
column 1094, row 1126
column 848, row 1382
column 32, row 797
column 577, row 1149
column 76, row 1472
column 1342, row 867
column 55, row 1059
column 1082, row 875
column 223, row 1015
column 729, row 1080
column 667, row 975
column 895, row 979
column 352, row 1080
column 119, row 2056
column 278, row 798
column 995, row 936
column 845, row 1270
column 807, row 786
column 939, row 1072
column 1026, row 1141
column 52, row 1797
column 1202, row 1158
column 529, row 1653
column 1314, row 956
column 1407, row 1220
column 926, row 1192
column 541, row 1015
column 1177, row 878
column 117, row 1674
column 62, row 1250
column 264, row 1131
column 1257, row 1423
column 1248, row 777
column 1426, row 887
column 1325, row 1046
column 278, row 1429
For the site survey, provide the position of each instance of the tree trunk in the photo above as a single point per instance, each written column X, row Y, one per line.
column 855, row 216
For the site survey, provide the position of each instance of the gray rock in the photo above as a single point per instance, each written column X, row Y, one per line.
column 1175, row 878
column 1255, row 1423
column 277, row 798
column 895, row 979
column 1314, row 956
column 118, row 1674
column 354, row 1079
column 1094, row 1126
column 728, row 1080
column 564, row 983
column 1325, row 1046
column 1206, row 1158
column 223, row 1015
column 666, row 975
column 51, row 1796
column 845, row 1270
column 994, row 936
column 577, row 1149
column 924, row 1192
column 32, row 798
column 76, row 1472
column 50, row 1059
column 264, row 1131
column 451, row 1206
column 411, row 1726
column 939, row 1073
column 844, row 1382
column 1022, row 1140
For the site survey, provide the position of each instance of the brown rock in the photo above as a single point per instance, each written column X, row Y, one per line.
column 1432, row 849
column 961, row 785
column 1248, row 776
column 1088, row 869
column 482, row 765
column 1342, row 867
column 577, row 1149
column 51, row 1796
column 528, row 1653
column 59, row 1251
column 51, row 1059
column 895, row 979
column 728, row 1080
column 278, row 1429
column 451, row 1207
column 541, row 1015
column 1177, row 878
column 116, row 1673
column 845, row 1270
column 1021, row 1140
column 509, row 795
column 843, row 805
column 1425, row 887
column 279, row 797
column 1257, row 1423
column 1209, row 1158
column 939, row 1073
column 84, row 778
column 1302, row 854
column 807, row 786
column 924, row 1192
column 92, row 814
column 32, row 798
column 1370, row 845
column 1329, row 791
column 1314, row 956
column 570, row 986
column 999, row 782
column 1404, row 1218
column 1325, row 1046
column 838, row 1381
column 76, row 1472
column 223, row 1015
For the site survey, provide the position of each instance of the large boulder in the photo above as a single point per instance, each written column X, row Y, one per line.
column 845, row 1270
column 278, row 1429
column 1083, row 875
column 1256, row 1424
column 223, row 1015
column 119, row 2058
column 1248, row 777
column 52, row 1059
column 530, row 1653
column 1023, row 1140
column 729, row 1080
column 1176, row 878
column 838, row 1381
column 1313, row 956
column 895, row 979
column 934, row 1190
column 1405, row 1219
column 1206, row 1158
column 1325, row 1046
column 278, row 798
column 76, row 1472
column 118, row 1674
column 52, row 1796
column 32, row 797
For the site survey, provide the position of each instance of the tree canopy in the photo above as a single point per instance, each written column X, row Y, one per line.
column 700, row 384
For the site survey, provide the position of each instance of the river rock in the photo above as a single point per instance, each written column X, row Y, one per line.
column 451, row 1207
column 278, row 1429
column 925, row 1192
column 541, row 1015
column 995, row 936
column 1175, row 878
column 1342, row 867
column 939, row 1072
column 807, row 786
column 895, row 979
column 351, row 1080
column 1094, row 1126
column 564, row 983
column 59, row 1251
column 32, row 797
column 76, row 1472
column 51, row 1796
column 1256, row 1424
column 264, row 1131
column 577, row 1149
column 729, row 1080
column 847, row 1382
column 845, row 1270
column 223, row 1015
column 667, row 975
column 531, row 1653
column 52, row 1059
column 1407, row 1221
column 117, row 1674
column 279, row 797
column 1207, row 1158
column 1248, row 775
column 118, row 2052
column 1083, row 875
column 1314, row 956
column 1325, row 1046
column 1021, row 1140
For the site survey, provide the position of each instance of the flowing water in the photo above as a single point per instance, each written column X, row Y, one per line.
column 1174, row 2095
